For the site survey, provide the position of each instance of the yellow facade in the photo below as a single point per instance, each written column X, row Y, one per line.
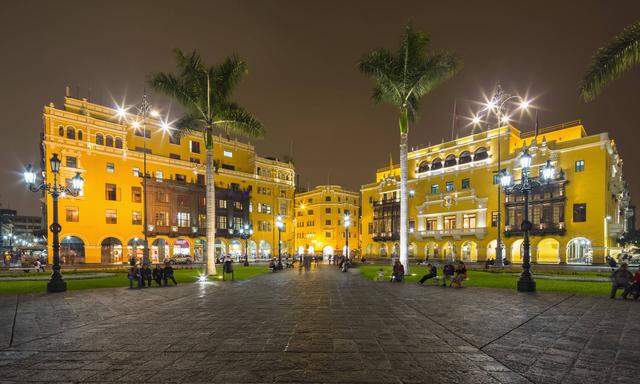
column 319, row 221
column 104, row 223
column 453, row 208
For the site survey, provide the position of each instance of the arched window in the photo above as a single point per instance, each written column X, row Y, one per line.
column 436, row 163
column 61, row 131
column 480, row 154
column 118, row 143
column 111, row 251
column 99, row 139
column 71, row 250
column 423, row 167
column 79, row 135
column 71, row 133
column 450, row 161
column 109, row 141
column 465, row 157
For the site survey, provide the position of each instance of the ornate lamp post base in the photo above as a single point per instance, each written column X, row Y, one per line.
column 526, row 284
column 56, row 284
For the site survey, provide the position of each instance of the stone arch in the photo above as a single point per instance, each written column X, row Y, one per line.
column 181, row 247
column 327, row 251
column 159, row 250
column 413, row 250
column 118, row 143
column 135, row 249
column 369, row 249
column 109, row 141
column 252, row 249
column 72, row 250
column 548, row 251
column 61, row 131
column 423, row 167
column 464, row 158
column 99, row 139
column 450, row 160
column 469, row 251
column 491, row 249
column 235, row 249
column 383, row 250
column 79, row 134
column 264, row 249
column 436, row 163
column 111, row 251
column 480, row 154
column 220, row 248
column 579, row 251
column 517, row 251
column 71, row 133
column 431, row 250
column 449, row 251
column 395, row 250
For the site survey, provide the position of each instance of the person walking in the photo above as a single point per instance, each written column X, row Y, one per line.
column 157, row 275
column 168, row 274
column 432, row 272
column 620, row 279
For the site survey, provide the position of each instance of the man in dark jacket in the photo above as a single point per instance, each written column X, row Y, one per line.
column 157, row 275
column 432, row 272
column 168, row 274
column 620, row 279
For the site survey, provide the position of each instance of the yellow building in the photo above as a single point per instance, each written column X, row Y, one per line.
column 105, row 223
column 319, row 221
column 453, row 199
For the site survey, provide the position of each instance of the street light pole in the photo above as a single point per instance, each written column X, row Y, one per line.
column 56, row 283
column 280, row 225
column 347, row 224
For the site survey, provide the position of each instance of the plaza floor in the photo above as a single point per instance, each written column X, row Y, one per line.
column 317, row 327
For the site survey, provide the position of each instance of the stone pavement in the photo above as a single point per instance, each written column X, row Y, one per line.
column 317, row 327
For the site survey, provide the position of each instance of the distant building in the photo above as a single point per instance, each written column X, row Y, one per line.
column 17, row 231
column 319, row 221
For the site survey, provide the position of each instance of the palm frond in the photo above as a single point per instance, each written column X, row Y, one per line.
column 437, row 69
column 226, row 76
column 611, row 61
column 189, row 123
column 237, row 121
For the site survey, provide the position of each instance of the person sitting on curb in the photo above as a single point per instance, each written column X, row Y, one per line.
column 398, row 272
column 168, row 274
column 132, row 275
column 432, row 272
column 272, row 265
column 146, row 275
column 227, row 268
column 620, row 278
column 635, row 287
column 157, row 275
column 447, row 273
column 461, row 274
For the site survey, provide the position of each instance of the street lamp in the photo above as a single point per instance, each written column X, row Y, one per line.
column 347, row 224
column 245, row 232
column 139, row 123
column 524, row 186
column 280, row 225
column 498, row 107
column 56, row 283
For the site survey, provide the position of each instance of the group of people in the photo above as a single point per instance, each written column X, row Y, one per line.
column 455, row 275
column 143, row 275
column 622, row 278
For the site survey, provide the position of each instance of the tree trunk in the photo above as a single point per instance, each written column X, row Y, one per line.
column 210, row 255
column 404, row 206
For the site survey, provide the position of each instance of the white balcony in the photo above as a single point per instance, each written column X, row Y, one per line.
column 457, row 233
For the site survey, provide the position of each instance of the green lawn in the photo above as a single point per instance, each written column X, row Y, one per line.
column 120, row 280
column 506, row 280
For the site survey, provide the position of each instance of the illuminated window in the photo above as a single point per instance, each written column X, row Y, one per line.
column 73, row 214
column 110, row 192
column 184, row 219
column 136, row 194
column 72, row 162
column 465, row 184
column 494, row 219
column 579, row 165
column 136, row 218
column 111, row 168
column 111, row 216
column 449, row 186
column 579, row 213
column 194, row 146
column 435, row 189
column 228, row 154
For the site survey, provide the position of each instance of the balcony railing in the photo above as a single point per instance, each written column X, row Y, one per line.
column 539, row 229
column 457, row 233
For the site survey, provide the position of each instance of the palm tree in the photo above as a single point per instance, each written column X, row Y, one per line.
column 401, row 80
column 205, row 94
column 611, row 61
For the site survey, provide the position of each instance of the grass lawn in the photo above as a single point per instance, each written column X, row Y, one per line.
column 120, row 280
column 505, row 280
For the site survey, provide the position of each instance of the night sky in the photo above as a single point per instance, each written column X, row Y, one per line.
column 304, row 84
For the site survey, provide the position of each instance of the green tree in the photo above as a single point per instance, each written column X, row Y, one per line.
column 205, row 94
column 401, row 80
column 620, row 55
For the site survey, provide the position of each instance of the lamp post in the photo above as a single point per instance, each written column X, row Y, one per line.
column 347, row 224
column 139, row 124
column 524, row 186
column 245, row 232
column 56, row 283
column 497, row 106
column 280, row 225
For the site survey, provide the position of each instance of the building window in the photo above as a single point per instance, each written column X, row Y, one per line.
column 136, row 218
column 465, row 184
column 136, row 194
column 174, row 139
column 579, row 213
column 223, row 203
column 194, row 160
column 264, row 208
column 162, row 219
column 496, row 179
column 327, row 222
column 73, row 214
column 194, row 146
column 327, row 198
column 159, row 175
column 184, row 219
column 111, row 168
column 174, row 156
column 72, row 162
column 432, row 224
column 109, row 141
column 310, row 212
column 327, row 234
column 579, row 165
column 99, row 139
column 139, row 132
column 327, row 210
column 110, row 192
column 111, row 216
column 181, row 178
column 71, row 133
column 227, row 153
column 469, row 220
column 61, row 131
column 162, row 197
column 118, row 143
column 449, row 186
column 449, row 222
column 435, row 189
column 494, row 219
column 137, row 172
